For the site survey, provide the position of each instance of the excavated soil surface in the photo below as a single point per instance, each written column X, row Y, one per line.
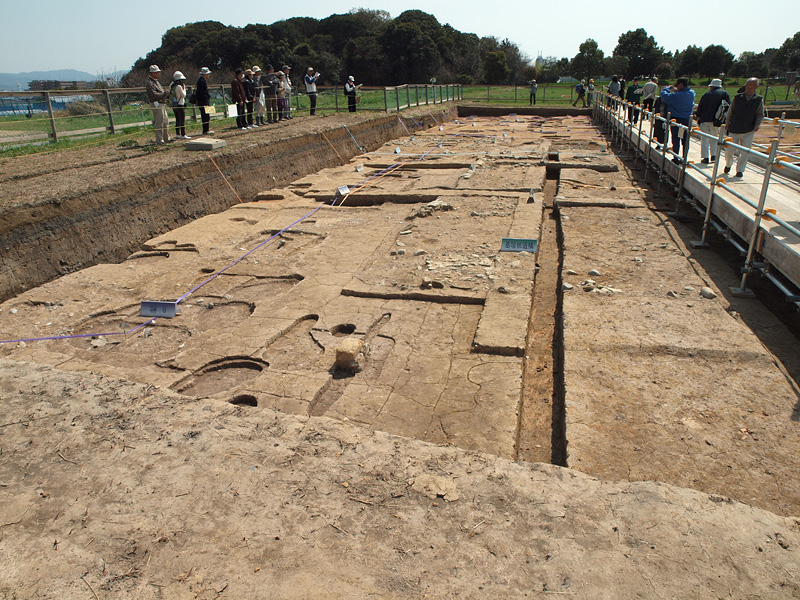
column 361, row 388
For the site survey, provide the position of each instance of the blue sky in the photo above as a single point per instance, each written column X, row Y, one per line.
column 100, row 37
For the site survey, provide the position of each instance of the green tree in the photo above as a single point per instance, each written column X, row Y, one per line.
column 496, row 70
column 641, row 50
column 749, row 64
column 615, row 65
column 715, row 60
column 411, row 53
column 787, row 58
column 588, row 62
column 515, row 60
column 688, row 61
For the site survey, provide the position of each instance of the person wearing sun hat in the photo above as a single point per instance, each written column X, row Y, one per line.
column 311, row 88
column 287, row 82
column 202, row 98
column 157, row 96
column 177, row 94
column 706, row 113
column 260, row 107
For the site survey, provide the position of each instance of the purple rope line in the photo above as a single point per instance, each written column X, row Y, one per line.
column 82, row 335
column 403, row 124
column 415, row 121
column 221, row 271
column 246, row 254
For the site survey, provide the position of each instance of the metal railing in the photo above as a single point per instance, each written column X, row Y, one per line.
column 612, row 114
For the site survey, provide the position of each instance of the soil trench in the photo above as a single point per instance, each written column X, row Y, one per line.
column 61, row 216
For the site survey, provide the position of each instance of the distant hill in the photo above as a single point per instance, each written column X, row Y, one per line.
column 8, row 81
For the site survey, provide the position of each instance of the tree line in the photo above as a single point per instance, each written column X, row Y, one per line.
column 411, row 48
column 637, row 53
column 415, row 48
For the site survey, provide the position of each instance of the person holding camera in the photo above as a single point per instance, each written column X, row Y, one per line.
column 311, row 88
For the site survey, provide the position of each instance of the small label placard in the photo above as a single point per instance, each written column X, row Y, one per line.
column 157, row 308
column 343, row 190
column 518, row 245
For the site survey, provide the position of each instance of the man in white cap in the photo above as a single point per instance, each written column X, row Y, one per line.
column 706, row 117
column 157, row 96
column 311, row 88
column 260, row 107
column 350, row 88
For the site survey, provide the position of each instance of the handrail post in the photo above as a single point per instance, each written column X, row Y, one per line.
column 336, row 98
column 385, row 101
column 110, row 114
column 397, row 98
column 702, row 243
column 742, row 290
column 52, row 118
column 684, row 161
column 408, row 96
column 667, row 131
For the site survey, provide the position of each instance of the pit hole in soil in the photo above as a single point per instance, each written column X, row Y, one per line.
column 258, row 289
column 344, row 329
column 226, row 315
column 221, row 375
column 244, row 400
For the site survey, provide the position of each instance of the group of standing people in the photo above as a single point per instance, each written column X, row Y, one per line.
column 261, row 98
column 741, row 116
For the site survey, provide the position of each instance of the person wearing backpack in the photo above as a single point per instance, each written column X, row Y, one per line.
column 580, row 89
column 713, row 101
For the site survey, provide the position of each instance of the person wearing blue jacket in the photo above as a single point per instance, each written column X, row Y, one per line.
column 679, row 101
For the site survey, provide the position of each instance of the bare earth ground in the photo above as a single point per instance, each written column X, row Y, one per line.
column 223, row 454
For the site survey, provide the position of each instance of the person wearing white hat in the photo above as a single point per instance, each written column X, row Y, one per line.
column 202, row 98
column 706, row 117
column 260, row 106
column 311, row 88
column 287, row 83
column 350, row 88
column 157, row 96
column 177, row 96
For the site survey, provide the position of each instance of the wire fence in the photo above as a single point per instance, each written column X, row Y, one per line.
column 43, row 117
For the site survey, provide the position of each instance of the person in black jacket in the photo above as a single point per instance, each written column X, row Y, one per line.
column 744, row 119
column 350, row 89
column 250, row 96
column 203, row 98
column 239, row 98
column 706, row 113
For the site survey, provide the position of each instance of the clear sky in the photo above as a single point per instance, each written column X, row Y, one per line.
column 101, row 37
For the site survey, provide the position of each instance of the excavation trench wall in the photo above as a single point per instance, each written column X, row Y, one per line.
column 106, row 222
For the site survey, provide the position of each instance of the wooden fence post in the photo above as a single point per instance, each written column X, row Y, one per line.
column 52, row 119
column 110, row 114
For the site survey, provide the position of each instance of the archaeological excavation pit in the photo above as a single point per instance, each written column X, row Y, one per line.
column 571, row 354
